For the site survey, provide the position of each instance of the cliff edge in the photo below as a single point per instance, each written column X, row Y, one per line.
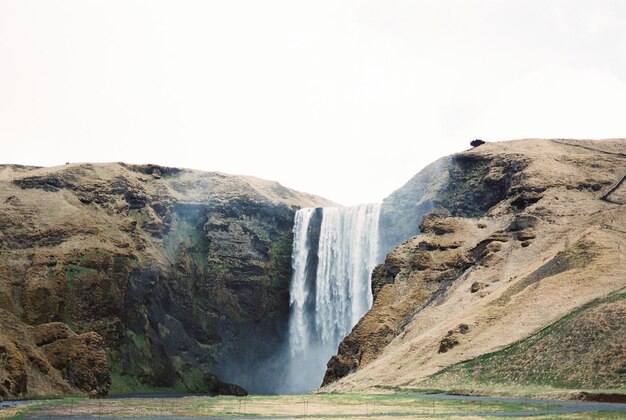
column 516, row 275
column 138, row 278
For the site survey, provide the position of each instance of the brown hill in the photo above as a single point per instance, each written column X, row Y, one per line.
column 499, row 286
column 161, row 272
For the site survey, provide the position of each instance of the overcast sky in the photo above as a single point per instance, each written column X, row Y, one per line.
column 345, row 99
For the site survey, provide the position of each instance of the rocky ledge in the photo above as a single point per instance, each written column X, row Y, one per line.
column 512, row 239
column 139, row 278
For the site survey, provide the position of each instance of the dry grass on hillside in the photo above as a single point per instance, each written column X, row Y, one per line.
column 574, row 252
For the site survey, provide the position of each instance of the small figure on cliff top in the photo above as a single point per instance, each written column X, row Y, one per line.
column 476, row 142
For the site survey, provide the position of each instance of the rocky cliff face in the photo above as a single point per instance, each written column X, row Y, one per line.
column 139, row 276
column 518, row 267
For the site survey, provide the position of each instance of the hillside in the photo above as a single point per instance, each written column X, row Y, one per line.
column 515, row 276
column 139, row 277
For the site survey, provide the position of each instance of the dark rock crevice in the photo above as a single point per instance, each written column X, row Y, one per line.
column 176, row 270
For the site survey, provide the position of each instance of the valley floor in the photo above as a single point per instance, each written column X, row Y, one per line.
column 315, row 406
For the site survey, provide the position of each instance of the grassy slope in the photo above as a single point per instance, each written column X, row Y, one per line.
column 586, row 349
column 571, row 254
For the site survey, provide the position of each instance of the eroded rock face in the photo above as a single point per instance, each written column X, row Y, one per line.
column 414, row 274
column 174, row 270
column 512, row 237
column 82, row 362
column 12, row 370
column 452, row 338
column 50, row 359
column 466, row 185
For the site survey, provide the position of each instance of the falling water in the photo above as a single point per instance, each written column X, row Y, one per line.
column 334, row 253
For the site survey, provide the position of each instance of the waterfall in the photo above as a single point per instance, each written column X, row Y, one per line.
column 334, row 253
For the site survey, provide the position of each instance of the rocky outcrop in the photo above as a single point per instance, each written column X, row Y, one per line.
column 217, row 387
column 464, row 185
column 511, row 237
column 50, row 360
column 81, row 361
column 414, row 275
column 172, row 272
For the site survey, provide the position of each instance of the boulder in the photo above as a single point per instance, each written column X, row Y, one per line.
column 82, row 362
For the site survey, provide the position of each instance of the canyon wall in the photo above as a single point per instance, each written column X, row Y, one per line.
column 155, row 275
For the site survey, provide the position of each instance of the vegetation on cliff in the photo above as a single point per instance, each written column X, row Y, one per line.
column 150, row 273
column 120, row 278
column 513, row 237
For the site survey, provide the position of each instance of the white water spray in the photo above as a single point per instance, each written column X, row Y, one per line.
column 330, row 290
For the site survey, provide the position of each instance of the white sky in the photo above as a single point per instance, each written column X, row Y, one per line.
column 345, row 99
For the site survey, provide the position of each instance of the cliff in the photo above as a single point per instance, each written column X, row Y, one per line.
column 512, row 274
column 138, row 277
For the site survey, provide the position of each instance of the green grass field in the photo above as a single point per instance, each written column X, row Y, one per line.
column 290, row 406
